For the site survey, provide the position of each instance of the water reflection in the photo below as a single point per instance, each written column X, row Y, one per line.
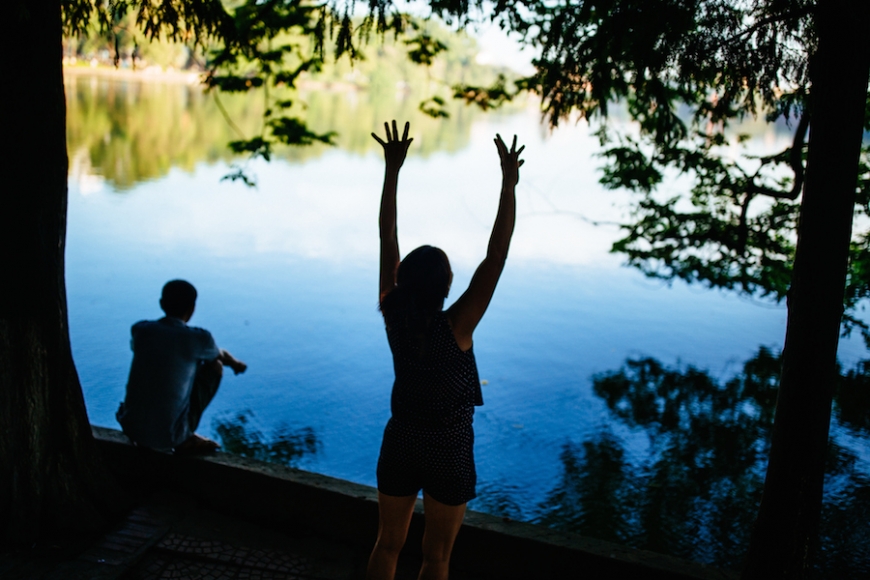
column 284, row 445
column 595, row 496
column 500, row 498
column 852, row 399
column 690, row 484
column 130, row 131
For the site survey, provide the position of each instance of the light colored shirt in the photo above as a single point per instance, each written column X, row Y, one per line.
column 166, row 356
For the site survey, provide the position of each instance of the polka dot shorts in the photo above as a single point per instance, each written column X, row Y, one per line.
column 438, row 461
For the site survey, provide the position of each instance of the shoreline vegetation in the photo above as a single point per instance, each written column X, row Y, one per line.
column 385, row 63
column 170, row 80
column 78, row 68
column 113, row 139
column 115, row 142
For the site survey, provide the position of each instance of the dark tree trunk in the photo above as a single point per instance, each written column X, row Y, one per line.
column 50, row 475
column 787, row 525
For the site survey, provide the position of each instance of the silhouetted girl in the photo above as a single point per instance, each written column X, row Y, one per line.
column 428, row 441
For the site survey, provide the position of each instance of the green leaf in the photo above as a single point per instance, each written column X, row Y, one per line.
column 292, row 131
column 425, row 49
column 434, row 107
column 256, row 147
column 486, row 97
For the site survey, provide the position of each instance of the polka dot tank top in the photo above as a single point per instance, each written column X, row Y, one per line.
column 437, row 384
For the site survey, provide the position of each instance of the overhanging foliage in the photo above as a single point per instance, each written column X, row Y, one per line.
column 689, row 73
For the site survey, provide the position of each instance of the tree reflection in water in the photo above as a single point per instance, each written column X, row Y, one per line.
column 688, row 477
column 284, row 445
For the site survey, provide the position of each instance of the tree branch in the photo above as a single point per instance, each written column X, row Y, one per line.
column 795, row 157
column 781, row 17
column 753, row 189
column 795, row 161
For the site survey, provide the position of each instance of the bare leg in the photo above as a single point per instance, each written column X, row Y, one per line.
column 394, row 518
column 205, row 385
column 442, row 524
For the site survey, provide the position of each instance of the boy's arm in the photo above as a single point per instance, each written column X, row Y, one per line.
column 229, row 360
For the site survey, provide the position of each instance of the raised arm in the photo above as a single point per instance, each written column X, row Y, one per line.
column 230, row 361
column 395, row 150
column 467, row 311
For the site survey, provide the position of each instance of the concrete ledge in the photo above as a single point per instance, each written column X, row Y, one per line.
column 295, row 500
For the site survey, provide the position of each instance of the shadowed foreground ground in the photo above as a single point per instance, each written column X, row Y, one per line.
column 168, row 537
column 227, row 517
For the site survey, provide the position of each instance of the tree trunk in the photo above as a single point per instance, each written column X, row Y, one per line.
column 787, row 525
column 50, row 474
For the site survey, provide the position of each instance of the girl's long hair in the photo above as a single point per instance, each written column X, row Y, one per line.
column 422, row 283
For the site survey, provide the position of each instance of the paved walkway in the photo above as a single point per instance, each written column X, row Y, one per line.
column 167, row 538
column 311, row 526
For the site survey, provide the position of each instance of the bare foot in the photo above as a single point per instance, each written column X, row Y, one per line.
column 196, row 445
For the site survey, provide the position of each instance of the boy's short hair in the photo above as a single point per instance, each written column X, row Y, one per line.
column 178, row 298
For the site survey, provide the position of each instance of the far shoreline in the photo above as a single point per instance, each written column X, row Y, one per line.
column 145, row 74
column 188, row 77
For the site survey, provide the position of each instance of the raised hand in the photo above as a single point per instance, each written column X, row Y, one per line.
column 229, row 360
column 510, row 160
column 395, row 149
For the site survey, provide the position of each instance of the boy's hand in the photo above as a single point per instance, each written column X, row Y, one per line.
column 229, row 360
column 238, row 366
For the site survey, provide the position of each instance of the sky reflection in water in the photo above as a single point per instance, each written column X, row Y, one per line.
column 287, row 277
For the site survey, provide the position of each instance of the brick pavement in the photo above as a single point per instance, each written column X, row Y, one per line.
column 180, row 556
column 167, row 539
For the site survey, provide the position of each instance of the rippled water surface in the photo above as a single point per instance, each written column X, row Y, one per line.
column 287, row 276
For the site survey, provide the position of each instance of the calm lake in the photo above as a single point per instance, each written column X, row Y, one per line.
column 580, row 357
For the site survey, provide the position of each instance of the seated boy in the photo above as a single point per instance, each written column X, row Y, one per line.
column 175, row 374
